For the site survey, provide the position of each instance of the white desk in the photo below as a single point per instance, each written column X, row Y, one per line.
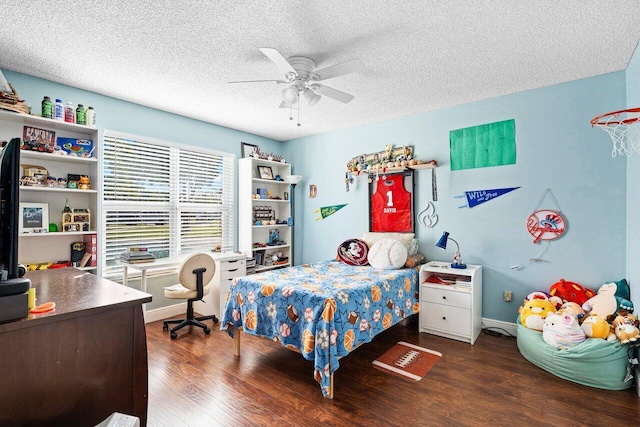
column 228, row 266
column 145, row 266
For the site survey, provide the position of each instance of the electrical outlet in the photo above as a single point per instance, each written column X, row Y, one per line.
column 507, row 296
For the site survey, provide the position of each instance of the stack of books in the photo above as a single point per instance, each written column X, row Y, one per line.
column 137, row 255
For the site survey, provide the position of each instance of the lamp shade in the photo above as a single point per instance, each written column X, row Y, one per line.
column 290, row 95
column 442, row 243
column 294, row 179
column 311, row 97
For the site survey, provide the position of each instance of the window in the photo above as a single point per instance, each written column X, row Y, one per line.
column 167, row 198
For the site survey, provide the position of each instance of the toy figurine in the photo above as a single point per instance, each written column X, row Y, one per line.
column 51, row 181
column 62, row 182
column 84, row 183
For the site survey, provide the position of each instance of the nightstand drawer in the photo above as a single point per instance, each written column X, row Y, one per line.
column 445, row 318
column 446, row 297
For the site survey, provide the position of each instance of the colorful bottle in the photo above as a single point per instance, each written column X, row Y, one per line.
column 47, row 108
column 69, row 113
column 91, row 117
column 81, row 117
column 58, row 110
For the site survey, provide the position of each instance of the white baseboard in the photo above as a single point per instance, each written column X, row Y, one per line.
column 165, row 312
column 509, row 327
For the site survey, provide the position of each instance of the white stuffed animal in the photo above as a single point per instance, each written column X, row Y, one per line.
column 562, row 330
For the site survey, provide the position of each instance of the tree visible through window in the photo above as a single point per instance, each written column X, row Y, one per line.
column 167, row 198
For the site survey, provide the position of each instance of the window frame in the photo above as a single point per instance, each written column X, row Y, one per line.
column 204, row 203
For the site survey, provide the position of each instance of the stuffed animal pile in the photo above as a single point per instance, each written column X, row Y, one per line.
column 570, row 313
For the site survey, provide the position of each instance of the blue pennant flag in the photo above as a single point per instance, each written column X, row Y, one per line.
column 474, row 198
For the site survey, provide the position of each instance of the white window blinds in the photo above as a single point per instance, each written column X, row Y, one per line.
column 170, row 199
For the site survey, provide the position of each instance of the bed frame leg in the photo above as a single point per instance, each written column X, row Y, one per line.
column 236, row 342
column 330, row 387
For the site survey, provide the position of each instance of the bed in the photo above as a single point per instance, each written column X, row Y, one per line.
column 323, row 310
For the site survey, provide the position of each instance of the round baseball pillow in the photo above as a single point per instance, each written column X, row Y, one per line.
column 387, row 254
column 353, row 252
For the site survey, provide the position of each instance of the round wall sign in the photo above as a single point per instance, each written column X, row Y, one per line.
column 546, row 225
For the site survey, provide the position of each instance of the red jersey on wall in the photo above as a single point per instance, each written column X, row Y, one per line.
column 391, row 206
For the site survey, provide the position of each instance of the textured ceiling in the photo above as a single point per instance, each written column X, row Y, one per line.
column 419, row 56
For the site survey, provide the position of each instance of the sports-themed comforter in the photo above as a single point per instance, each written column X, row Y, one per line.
column 324, row 310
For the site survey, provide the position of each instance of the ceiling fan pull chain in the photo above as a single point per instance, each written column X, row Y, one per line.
column 298, row 108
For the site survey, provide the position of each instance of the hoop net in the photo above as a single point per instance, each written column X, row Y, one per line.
column 624, row 129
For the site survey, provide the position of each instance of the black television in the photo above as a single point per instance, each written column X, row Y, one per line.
column 11, row 280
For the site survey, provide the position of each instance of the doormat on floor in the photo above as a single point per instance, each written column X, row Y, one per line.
column 407, row 360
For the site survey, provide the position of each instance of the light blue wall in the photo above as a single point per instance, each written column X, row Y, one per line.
column 556, row 149
column 633, row 186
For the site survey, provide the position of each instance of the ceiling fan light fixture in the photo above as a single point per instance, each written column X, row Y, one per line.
column 311, row 97
column 290, row 95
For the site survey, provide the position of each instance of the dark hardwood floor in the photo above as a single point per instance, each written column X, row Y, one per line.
column 196, row 381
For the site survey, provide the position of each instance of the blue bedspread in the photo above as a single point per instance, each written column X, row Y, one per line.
column 324, row 310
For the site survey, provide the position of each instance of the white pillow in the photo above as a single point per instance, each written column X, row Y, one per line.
column 387, row 254
column 372, row 237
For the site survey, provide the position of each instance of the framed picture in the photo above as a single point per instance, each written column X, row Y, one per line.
column 265, row 172
column 247, row 149
column 34, row 217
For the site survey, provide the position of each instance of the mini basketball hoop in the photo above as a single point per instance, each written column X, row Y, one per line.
column 621, row 127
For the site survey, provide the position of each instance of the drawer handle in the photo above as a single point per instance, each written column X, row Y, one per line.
column 235, row 269
column 444, row 318
column 444, row 297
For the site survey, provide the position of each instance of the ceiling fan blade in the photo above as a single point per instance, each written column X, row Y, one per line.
column 279, row 60
column 259, row 81
column 352, row 66
column 332, row 93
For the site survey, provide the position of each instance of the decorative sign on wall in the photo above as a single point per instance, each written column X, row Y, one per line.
column 428, row 216
column 546, row 224
column 492, row 144
column 325, row 211
column 475, row 198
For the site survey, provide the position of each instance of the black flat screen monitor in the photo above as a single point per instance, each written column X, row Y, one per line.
column 11, row 280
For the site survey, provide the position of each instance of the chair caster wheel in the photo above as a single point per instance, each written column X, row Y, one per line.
column 165, row 327
column 174, row 335
column 207, row 331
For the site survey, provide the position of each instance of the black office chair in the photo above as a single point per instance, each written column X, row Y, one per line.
column 195, row 275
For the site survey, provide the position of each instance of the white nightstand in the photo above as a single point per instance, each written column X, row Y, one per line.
column 451, row 301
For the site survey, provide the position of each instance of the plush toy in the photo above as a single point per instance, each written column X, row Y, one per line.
column 562, row 330
column 610, row 298
column 626, row 327
column 571, row 291
column 595, row 326
column 556, row 301
column 534, row 311
column 572, row 308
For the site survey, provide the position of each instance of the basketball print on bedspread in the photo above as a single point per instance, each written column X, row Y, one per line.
column 391, row 206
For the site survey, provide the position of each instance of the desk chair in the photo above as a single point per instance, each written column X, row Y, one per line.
column 195, row 274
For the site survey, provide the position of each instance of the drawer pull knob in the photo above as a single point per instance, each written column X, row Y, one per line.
column 444, row 318
column 444, row 297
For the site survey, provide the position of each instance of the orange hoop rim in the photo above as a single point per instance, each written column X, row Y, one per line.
column 596, row 120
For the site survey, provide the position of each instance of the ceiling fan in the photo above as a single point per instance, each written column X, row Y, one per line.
column 302, row 79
